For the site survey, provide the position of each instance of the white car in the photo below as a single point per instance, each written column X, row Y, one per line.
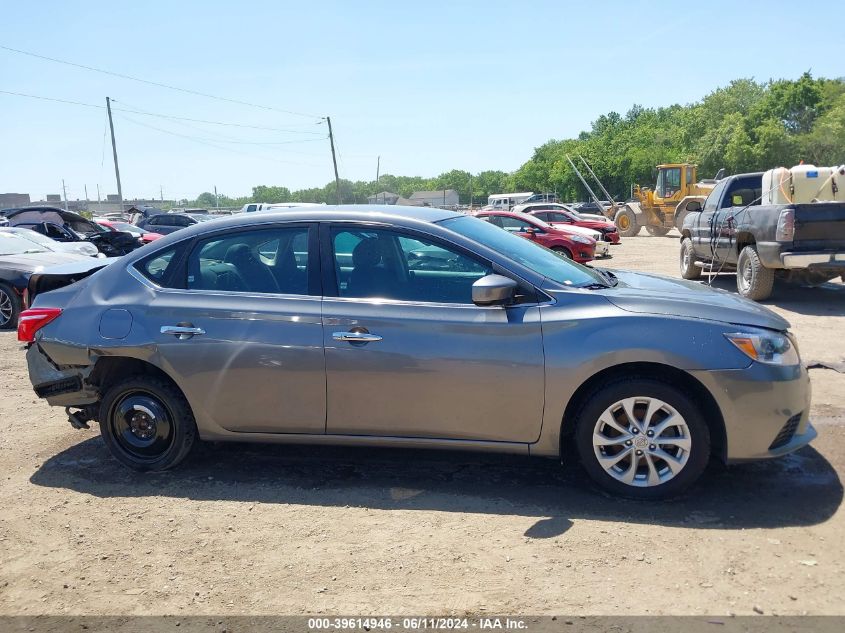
column 78, row 248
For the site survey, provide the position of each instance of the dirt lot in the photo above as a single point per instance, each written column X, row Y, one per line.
column 250, row 529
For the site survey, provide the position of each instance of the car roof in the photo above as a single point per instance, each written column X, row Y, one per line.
column 345, row 212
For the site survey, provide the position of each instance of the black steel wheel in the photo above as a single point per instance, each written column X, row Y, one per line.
column 146, row 423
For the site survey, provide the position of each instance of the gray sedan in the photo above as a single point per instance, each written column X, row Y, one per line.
column 386, row 326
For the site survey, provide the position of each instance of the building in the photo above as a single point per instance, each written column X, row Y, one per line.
column 383, row 197
column 446, row 198
column 12, row 200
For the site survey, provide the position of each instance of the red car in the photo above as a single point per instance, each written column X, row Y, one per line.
column 129, row 228
column 560, row 214
column 579, row 248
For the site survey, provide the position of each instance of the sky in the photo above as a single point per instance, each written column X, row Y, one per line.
column 426, row 86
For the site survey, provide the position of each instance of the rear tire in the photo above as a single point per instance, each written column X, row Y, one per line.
column 147, row 423
column 626, row 222
column 562, row 250
column 613, row 441
column 656, row 231
column 10, row 307
column 753, row 280
column 688, row 268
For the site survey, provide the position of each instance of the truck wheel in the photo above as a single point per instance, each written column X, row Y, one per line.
column 688, row 268
column 656, row 231
column 626, row 222
column 642, row 437
column 10, row 307
column 753, row 280
column 147, row 423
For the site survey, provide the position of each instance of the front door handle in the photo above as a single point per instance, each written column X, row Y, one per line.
column 182, row 331
column 356, row 337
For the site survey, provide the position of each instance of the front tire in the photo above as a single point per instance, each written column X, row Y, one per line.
column 10, row 307
column 562, row 251
column 147, row 423
column 753, row 280
column 642, row 438
column 626, row 222
column 688, row 268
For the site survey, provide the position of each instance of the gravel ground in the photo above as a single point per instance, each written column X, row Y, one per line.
column 253, row 530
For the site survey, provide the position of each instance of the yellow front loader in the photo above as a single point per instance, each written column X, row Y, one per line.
column 663, row 207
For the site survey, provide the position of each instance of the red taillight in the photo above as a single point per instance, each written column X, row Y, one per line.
column 30, row 321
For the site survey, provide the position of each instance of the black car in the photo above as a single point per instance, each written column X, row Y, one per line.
column 19, row 258
column 165, row 223
column 67, row 226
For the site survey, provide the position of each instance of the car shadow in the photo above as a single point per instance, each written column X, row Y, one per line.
column 824, row 300
column 799, row 490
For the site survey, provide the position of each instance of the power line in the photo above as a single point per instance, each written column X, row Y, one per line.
column 205, row 142
column 164, row 116
column 79, row 103
column 158, row 84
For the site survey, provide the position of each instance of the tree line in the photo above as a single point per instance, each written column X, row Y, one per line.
column 745, row 126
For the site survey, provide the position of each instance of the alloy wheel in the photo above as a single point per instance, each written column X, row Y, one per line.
column 642, row 441
column 6, row 308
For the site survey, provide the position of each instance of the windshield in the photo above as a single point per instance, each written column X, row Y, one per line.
column 200, row 217
column 538, row 258
column 11, row 244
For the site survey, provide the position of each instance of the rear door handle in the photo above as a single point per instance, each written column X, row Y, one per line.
column 182, row 331
column 356, row 337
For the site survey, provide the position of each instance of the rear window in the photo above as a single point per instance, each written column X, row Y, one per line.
column 159, row 266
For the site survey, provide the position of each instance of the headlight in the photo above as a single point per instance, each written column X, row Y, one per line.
column 580, row 239
column 766, row 347
column 88, row 249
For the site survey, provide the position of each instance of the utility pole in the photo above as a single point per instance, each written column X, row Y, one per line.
column 334, row 161
column 161, row 192
column 98, row 195
column 64, row 192
column 470, row 191
column 216, row 199
column 378, row 169
column 114, row 153
column 86, row 197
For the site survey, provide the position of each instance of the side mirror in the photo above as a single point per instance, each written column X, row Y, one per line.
column 693, row 206
column 530, row 230
column 493, row 290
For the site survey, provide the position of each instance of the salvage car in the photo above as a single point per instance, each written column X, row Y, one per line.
column 417, row 327
column 117, row 225
column 19, row 258
column 560, row 215
column 78, row 248
column 576, row 247
column 166, row 223
column 68, row 227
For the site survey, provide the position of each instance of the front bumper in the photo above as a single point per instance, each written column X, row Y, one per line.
column 765, row 408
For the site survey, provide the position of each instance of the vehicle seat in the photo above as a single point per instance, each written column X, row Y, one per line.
column 290, row 279
column 369, row 277
column 256, row 276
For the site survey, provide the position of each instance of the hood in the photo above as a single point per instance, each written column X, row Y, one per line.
column 30, row 262
column 655, row 294
column 580, row 230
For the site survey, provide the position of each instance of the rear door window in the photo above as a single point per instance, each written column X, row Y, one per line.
column 270, row 260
